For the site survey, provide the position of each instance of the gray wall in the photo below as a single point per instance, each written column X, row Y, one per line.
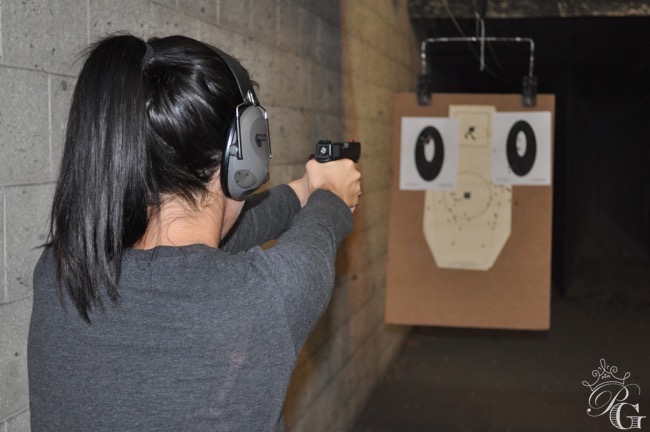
column 326, row 70
column 528, row 8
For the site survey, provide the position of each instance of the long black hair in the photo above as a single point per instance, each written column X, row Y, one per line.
column 147, row 120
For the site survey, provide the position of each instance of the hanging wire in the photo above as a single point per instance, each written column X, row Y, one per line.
column 529, row 85
column 478, row 57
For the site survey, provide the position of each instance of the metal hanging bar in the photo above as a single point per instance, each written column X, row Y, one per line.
column 529, row 87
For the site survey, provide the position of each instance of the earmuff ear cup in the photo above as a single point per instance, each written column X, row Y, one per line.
column 247, row 154
column 245, row 164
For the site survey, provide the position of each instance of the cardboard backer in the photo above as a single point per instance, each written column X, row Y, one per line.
column 515, row 292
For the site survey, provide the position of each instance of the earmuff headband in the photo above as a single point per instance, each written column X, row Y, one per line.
column 241, row 76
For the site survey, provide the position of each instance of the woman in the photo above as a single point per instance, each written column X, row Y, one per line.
column 154, row 308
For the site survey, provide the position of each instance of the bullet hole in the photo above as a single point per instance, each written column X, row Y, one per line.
column 64, row 85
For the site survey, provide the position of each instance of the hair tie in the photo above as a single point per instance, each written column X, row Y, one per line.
column 148, row 55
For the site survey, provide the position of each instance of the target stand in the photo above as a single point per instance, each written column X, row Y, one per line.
column 479, row 255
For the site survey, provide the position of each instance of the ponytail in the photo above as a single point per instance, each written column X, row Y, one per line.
column 147, row 120
column 100, row 203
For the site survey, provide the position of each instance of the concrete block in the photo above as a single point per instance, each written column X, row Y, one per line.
column 366, row 100
column 27, row 216
column 358, row 251
column 328, row 45
column 372, row 65
column 401, row 48
column 308, row 32
column 366, row 361
column 263, row 64
column 14, row 324
column 329, row 126
column 290, row 81
column 226, row 40
column 327, row 90
column 109, row 16
column 61, row 90
column 372, row 32
column 317, row 416
column 20, row 423
column 405, row 77
column 377, row 245
column 204, row 10
column 314, row 374
column 32, row 36
column 166, row 21
column 282, row 174
column 264, row 21
column 375, row 171
column 390, row 11
column 23, row 126
column 168, row 3
column 326, row 9
column 375, row 136
column 361, row 289
column 303, row 390
column 337, row 404
column 291, row 138
column 364, row 251
column 236, row 15
column 288, row 33
column 377, row 202
column 362, row 325
column 2, row 246
column 339, row 309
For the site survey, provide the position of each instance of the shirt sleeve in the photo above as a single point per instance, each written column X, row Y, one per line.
column 300, row 268
column 265, row 217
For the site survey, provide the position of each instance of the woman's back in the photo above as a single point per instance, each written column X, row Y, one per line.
column 189, row 346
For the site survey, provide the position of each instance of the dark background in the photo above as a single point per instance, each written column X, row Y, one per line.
column 599, row 70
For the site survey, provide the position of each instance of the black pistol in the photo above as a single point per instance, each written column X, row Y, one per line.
column 327, row 151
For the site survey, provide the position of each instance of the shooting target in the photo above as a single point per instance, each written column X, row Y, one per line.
column 428, row 154
column 467, row 228
column 521, row 148
column 429, row 141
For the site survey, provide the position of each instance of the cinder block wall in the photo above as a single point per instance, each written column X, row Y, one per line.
column 326, row 70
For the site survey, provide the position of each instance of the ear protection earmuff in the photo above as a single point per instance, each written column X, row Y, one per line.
column 247, row 154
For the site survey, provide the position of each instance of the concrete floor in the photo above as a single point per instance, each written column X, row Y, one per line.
column 478, row 380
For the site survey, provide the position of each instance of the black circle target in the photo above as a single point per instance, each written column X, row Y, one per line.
column 521, row 165
column 429, row 170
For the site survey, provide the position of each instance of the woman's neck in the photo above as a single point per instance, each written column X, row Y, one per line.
column 177, row 224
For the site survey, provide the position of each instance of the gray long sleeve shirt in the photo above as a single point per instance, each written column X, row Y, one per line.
column 202, row 339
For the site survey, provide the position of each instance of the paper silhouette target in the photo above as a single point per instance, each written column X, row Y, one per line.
column 428, row 154
column 468, row 227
